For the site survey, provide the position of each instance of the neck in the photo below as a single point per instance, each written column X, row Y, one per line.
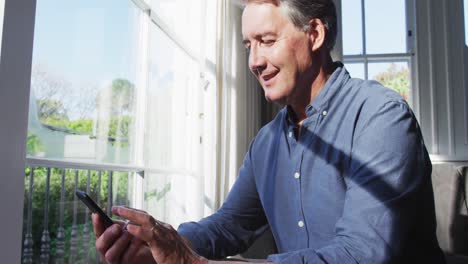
column 319, row 75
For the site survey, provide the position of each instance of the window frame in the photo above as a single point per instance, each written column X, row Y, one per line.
column 15, row 77
column 408, row 56
column 2, row 10
column 153, row 19
column 465, row 61
column 159, row 22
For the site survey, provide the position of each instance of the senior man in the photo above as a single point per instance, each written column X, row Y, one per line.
column 341, row 175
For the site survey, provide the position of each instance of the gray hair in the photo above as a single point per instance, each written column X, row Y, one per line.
column 302, row 11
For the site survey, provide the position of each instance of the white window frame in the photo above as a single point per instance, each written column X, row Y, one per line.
column 465, row 60
column 152, row 18
column 2, row 9
column 408, row 56
column 159, row 22
column 15, row 79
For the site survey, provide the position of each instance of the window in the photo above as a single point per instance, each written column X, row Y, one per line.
column 2, row 8
column 83, row 82
column 81, row 130
column 375, row 42
column 465, row 12
column 180, row 16
column 177, row 133
column 116, row 93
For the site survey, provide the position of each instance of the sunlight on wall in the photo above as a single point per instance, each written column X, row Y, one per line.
column 465, row 9
column 2, row 7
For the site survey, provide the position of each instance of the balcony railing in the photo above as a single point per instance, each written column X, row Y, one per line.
column 56, row 226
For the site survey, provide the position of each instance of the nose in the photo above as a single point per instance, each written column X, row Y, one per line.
column 257, row 61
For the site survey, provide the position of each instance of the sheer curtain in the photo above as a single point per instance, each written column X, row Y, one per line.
column 173, row 143
column 203, row 108
column 240, row 99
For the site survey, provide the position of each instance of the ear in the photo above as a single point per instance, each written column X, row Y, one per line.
column 317, row 33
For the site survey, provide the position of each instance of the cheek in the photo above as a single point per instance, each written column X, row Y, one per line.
column 298, row 52
column 303, row 55
column 281, row 58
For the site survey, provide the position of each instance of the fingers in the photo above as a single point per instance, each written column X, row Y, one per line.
column 134, row 209
column 113, row 254
column 108, row 238
column 135, row 216
column 145, row 234
column 119, row 222
column 98, row 225
column 132, row 250
column 166, row 245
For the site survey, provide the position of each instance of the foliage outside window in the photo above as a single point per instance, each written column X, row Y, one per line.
column 82, row 109
column 375, row 49
column 83, row 81
column 109, row 88
column 396, row 78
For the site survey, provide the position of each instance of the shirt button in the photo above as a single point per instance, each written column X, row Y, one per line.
column 297, row 175
column 290, row 134
column 300, row 224
column 324, row 113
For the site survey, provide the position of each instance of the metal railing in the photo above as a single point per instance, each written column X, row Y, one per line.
column 56, row 227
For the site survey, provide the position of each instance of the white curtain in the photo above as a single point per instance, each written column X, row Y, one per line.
column 240, row 98
column 203, row 108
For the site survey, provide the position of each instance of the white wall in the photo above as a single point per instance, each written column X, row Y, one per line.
column 15, row 74
column 441, row 72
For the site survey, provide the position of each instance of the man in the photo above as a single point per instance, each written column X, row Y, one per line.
column 341, row 175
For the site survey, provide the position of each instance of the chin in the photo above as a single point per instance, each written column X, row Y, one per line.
column 281, row 101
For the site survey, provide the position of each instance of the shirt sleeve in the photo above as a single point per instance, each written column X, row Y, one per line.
column 387, row 180
column 235, row 225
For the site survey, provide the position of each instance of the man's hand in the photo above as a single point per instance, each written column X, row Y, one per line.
column 116, row 245
column 166, row 245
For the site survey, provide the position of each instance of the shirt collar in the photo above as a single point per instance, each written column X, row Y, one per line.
column 339, row 77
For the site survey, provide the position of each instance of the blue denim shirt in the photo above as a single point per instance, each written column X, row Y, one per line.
column 353, row 187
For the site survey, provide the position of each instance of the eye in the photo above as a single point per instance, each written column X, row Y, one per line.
column 268, row 42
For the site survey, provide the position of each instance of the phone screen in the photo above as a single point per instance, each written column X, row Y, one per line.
column 84, row 197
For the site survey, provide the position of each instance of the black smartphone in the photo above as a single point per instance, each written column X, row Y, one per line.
column 84, row 197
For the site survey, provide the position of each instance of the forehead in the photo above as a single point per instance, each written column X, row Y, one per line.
column 260, row 18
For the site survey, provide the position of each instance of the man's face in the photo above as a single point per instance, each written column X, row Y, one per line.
column 280, row 53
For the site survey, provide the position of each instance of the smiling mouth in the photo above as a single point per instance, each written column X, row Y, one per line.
column 267, row 78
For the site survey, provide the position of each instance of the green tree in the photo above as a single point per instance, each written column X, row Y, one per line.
column 119, row 197
column 34, row 144
column 121, row 94
column 52, row 112
column 395, row 78
column 81, row 125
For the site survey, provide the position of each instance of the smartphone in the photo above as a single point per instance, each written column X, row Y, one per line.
column 84, row 197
